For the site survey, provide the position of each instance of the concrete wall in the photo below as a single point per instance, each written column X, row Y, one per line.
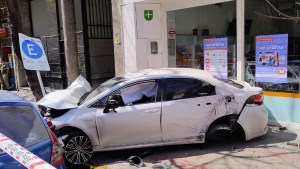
column 102, row 58
column 118, row 34
column 44, row 19
column 24, row 12
column 24, row 9
column 78, row 15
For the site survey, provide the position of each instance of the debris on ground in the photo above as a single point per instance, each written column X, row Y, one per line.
column 293, row 144
column 135, row 161
column 162, row 166
column 282, row 128
column 145, row 154
column 236, row 149
column 100, row 167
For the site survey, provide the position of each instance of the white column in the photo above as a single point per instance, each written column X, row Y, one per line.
column 240, row 27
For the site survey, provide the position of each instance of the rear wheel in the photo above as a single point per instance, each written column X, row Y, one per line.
column 218, row 132
column 77, row 148
column 223, row 132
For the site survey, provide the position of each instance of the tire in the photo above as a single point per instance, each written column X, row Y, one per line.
column 218, row 132
column 77, row 148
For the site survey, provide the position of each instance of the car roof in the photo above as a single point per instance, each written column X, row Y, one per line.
column 6, row 96
column 169, row 72
column 172, row 73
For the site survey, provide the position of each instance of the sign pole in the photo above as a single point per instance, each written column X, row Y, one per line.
column 41, row 82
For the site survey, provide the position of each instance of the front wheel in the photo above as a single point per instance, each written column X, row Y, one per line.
column 77, row 148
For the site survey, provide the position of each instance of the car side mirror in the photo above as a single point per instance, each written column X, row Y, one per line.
column 111, row 104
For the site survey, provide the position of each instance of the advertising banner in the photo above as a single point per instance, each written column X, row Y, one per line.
column 271, row 58
column 215, row 57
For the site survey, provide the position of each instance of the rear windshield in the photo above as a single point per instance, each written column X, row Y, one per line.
column 22, row 125
column 232, row 83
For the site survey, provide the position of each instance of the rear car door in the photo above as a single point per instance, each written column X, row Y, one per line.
column 187, row 107
column 24, row 126
column 136, row 120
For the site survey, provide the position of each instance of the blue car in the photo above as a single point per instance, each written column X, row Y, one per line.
column 21, row 122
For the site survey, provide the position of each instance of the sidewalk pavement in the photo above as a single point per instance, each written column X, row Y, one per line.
column 27, row 94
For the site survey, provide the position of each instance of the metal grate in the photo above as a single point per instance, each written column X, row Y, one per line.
column 54, row 50
column 99, row 19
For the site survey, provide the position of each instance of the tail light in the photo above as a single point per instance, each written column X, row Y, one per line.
column 255, row 99
column 56, row 154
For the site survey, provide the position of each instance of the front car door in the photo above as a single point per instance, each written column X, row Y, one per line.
column 136, row 120
column 188, row 108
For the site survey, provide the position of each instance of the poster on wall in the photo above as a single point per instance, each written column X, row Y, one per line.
column 215, row 57
column 271, row 58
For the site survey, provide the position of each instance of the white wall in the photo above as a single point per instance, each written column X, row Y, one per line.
column 137, row 53
column 135, row 50
column 129, row 38
column 180, row 4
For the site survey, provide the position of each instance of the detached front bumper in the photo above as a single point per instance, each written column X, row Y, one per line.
column 254, row 121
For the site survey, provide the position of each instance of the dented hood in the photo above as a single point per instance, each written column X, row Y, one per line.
column 68, row 98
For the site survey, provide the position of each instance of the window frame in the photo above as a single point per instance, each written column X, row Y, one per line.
column 164, row 95
column 158, row 92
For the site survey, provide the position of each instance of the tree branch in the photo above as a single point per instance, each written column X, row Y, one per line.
column 275, row 17
column 278, row 11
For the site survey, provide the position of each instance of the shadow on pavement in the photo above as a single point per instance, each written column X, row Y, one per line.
column 158, row 154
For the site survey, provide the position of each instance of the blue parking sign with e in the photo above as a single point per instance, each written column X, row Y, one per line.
column 32, row 49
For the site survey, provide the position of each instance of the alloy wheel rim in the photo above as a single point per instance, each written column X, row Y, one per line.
column 78, row 150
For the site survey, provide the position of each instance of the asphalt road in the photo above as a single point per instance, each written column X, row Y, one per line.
column 270, row 151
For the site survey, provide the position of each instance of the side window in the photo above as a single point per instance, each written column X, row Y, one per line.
column 140, row 93
column 183, row 88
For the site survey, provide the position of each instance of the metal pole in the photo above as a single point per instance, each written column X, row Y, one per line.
column 86, row 40
column 41, row 82
column 240, row 27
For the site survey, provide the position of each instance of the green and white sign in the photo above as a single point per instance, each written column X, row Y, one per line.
column 148, row 15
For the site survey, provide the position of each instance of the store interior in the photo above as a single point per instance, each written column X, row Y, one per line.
column 193, row 25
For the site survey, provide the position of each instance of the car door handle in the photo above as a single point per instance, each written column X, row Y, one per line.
column 151, row 111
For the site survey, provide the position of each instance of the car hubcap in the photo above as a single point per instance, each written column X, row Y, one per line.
column 78, row 150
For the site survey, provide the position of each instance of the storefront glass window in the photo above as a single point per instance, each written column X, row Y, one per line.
column 190, row 29
column 272, row 44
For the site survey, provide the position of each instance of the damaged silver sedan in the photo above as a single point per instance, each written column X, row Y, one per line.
column 156, row 107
